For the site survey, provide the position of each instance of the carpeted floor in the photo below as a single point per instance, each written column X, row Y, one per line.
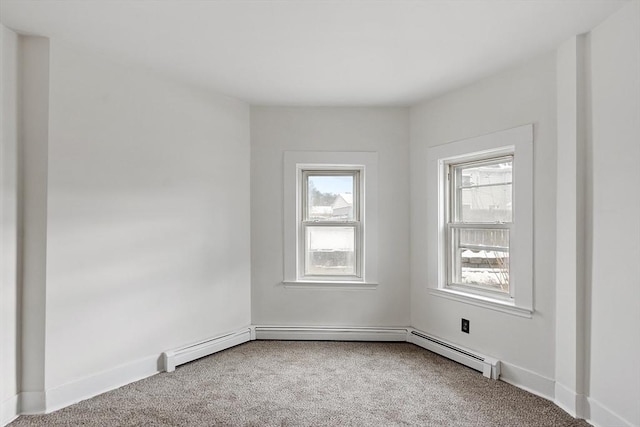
column 288, row 383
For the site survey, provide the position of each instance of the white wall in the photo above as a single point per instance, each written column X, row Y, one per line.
column 521, row 95
column 570, row 226
column 276, row 130
column 9, row 226
column 148, row 216
column 614, row 159
column 34, row 139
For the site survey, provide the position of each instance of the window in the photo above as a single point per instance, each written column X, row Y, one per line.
column 330, row 223
column 480, row 221
column 330, row 218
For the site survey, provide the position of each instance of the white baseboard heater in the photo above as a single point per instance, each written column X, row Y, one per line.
column 317, row 333
column 179, row 356
column 489, row 366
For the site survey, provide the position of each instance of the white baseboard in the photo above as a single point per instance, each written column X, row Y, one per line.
column 188, row 353
column 528, row 380
column 37, row 402
column 319, row 333
column 570, row 401
column 576, row 405
column 9, row 410
column 93, row 385
column 580, row 406
column 32, row 402
column 601, row 416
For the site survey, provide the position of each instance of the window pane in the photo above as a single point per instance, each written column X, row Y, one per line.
column 481, row 258
column 486, row 204
column 330, row 251
column 330, row 197
column 485, row 193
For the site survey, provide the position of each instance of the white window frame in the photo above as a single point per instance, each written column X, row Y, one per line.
column 516, row 142
column 295, row 164
column 453, row 223
column 356, row 223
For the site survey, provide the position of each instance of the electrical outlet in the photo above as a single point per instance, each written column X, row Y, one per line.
column 465, row 326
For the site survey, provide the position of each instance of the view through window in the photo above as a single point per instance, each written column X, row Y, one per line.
column 480, row 218
column 331, row 225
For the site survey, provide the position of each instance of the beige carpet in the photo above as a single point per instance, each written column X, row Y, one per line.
column 286, row 383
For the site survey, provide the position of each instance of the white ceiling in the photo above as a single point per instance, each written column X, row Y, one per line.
column 315, row 52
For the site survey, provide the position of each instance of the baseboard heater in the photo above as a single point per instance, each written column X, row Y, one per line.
column 318, row 333
column 179, row 356
column 489, row 366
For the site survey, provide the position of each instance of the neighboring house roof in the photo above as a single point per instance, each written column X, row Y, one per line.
column 343, row 200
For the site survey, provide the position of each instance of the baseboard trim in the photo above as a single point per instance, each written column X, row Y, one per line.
column 568, row 400
column 321, row 333
column 36, row 402
column 9, row 410
column 85, row 388
column 601, row 416
column 32, row 402
column 528, row 380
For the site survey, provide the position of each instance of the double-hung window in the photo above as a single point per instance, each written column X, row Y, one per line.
column 479, row 224
column 330, row 219
column 480, row 221
column 330, row 227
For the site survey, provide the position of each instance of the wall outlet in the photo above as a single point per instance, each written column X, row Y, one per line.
column 465, row 326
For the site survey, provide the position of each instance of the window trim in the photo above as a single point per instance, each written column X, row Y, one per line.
column 294, row 163
column 519, row 143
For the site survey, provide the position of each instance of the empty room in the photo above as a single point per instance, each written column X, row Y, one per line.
column 320, row 212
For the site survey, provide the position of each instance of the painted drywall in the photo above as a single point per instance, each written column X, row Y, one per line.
column 9, row 226
column 34, row 139
column 614, row 204
column 148, row 216
column 570, row 225
column 276, row 130
column 521, row 95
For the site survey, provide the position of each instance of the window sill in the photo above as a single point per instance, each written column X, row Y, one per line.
column 327, row 284
column 482, row 301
